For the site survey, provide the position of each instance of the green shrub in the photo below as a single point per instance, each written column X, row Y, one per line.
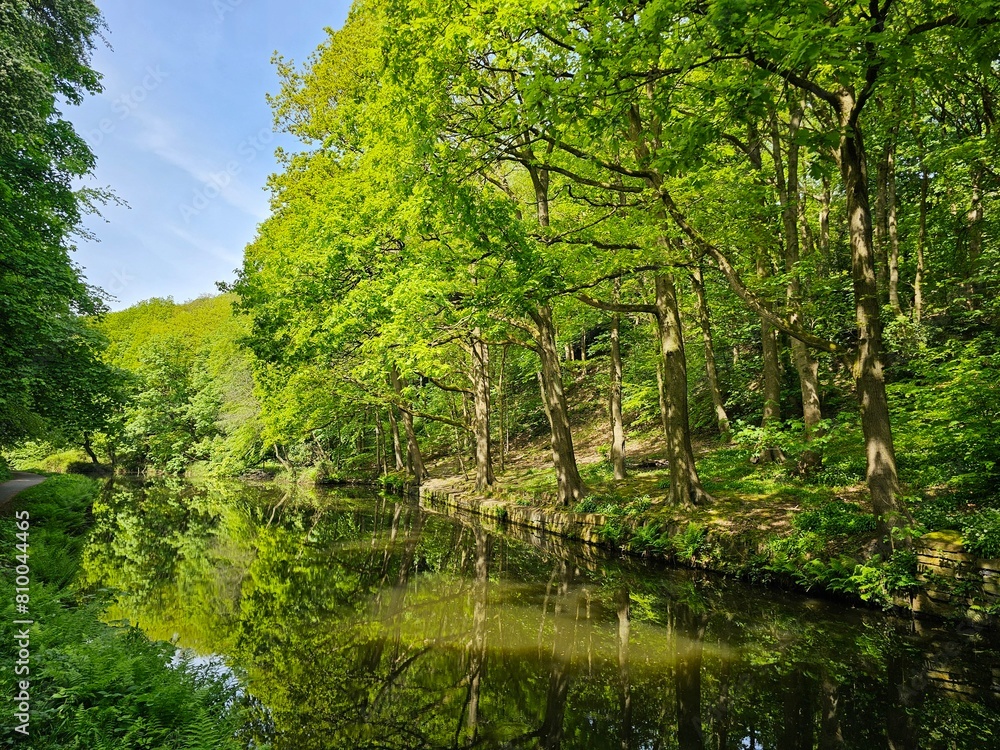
column 320, row 473
column 611, row 504
column 649, row 538
column 937, row 514
column 395, row 483
column 44, row 457
column 945, row 417
column 690, row 542
column 981, row 533
column 835, row 518
column 789, row 437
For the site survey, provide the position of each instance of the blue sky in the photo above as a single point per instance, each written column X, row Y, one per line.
column 183, row 135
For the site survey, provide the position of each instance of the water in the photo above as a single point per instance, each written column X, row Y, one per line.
column 356, row 620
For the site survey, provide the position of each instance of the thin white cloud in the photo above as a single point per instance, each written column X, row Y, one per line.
column 208, row 248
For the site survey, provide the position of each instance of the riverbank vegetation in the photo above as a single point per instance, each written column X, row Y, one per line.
column 615, row 236
column 92, row 684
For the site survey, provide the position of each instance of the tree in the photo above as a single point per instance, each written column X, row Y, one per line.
column 44, row 56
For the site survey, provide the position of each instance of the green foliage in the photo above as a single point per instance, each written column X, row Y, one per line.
column 648, row 538
column 835, row 518
column 94, row 685
column 612, row 504
column 191, row 392
column 981, row 533
column 879, row 581
column 948, row 414
column 51, row 376
column 787, row 436
column 948, row 723
column 688, row 543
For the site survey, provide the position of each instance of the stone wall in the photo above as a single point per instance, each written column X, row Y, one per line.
column 956, row 583
column 582, row 526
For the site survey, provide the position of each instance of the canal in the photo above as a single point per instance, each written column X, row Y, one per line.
column 354, row 619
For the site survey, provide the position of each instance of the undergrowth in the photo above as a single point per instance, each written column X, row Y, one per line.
column 95, row 686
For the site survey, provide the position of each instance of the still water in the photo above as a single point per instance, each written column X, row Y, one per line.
column 358, row 620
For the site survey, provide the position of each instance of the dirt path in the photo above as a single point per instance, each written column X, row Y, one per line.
column 21, row 481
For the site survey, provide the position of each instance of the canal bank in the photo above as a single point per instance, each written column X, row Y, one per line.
column 937, row 578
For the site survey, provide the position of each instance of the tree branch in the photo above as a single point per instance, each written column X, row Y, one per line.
column 751, row 299
column 594, row 183
column 616, row 307
column 795, row 79
column 583, row 155
column 444, row 387
column 952, row 19
column 615, row 275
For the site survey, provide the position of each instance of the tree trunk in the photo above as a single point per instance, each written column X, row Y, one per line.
column 503, row 409
column 974, row 220
column 414, row 460
column 824, row 225
column 831, row 736
column 883, row 482
column 617, row 422
column 89, row 450
column 704, row 318
column 477, row 645
column 481, row 410
column 893, row 227
column 806, row 365
column 625, row 696
column 380, row 462
column 918, row 279
column 397, row 448
column 687, row 676
column 460, row 432
column 798, row 726
column 661, row 390
column 771, row 373
column 570, row 485
column 550, row 733
column 881, row 228
column 721, row 714
column 685, row 486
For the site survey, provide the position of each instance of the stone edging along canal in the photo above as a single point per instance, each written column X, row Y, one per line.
column 955, row 584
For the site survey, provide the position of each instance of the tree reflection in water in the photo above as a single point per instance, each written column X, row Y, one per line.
column 361, row 621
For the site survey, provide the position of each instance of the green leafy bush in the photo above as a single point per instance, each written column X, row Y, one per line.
column 981, row 533
column 611, row 504
column 649, row 538
column 936, row 514
column 879, row 580
column 835, row 518
column 689, row 542
column 945, row 417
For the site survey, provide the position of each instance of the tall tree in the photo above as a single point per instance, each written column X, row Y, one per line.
column 45, row 53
